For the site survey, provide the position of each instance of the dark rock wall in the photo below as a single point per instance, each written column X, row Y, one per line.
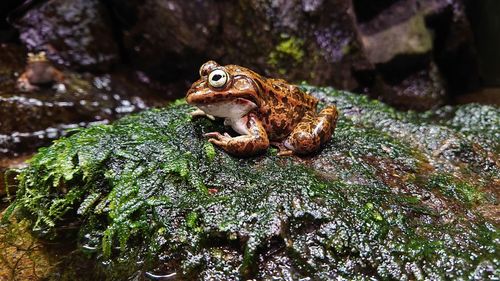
column 299, row 40
column 424, row 52
column 486, row 25
column 73, row 33
column 416, row 54
column 411, row 53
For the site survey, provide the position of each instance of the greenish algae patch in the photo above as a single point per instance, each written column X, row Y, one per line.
column 288, row 51
column 152, row 196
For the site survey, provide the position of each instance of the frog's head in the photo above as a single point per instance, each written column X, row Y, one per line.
column 38, row 57
column 225, row 91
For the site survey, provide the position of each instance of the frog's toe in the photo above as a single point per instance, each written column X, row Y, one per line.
column 212, row 134
column 217, row 142
column 302, row 142
column 26, row 87
column 285, row 153
column 197, row 112
column 217, row 136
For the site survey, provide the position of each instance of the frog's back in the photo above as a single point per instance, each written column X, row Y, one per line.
column 286, row 106
column 282, row 105
column 291, row 95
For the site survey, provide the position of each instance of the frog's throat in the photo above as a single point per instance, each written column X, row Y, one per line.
column 232, row 109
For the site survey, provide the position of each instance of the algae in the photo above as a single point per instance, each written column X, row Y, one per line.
column 392, row 196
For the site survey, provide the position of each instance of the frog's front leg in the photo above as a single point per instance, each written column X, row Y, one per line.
column 312, row 131
column 254, row 141
column 24, row 85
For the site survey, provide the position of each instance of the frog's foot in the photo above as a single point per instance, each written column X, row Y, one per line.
column 255, row 141
column 217, row 138
column 283, row 151
column 312, row 131
column 224, row 141
column 24, row 85
column 199, row 112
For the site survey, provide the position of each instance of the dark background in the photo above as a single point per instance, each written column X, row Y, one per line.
column 124, row 56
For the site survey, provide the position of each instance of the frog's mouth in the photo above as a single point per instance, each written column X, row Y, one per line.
column 232, row 109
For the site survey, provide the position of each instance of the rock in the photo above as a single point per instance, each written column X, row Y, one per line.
column 322, row 42
column 408, row 38
column 30, row 120
column 340, row 43
column 72, row 33
column 420, row 42
column 418, row 90
column 394, row 195
column 316, row 41
column 167, row 38
column 298, row 40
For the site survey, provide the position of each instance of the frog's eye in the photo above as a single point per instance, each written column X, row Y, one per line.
column 217, row 78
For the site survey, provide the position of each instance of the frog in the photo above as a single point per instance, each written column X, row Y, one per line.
column 262, row 111
column 40, row 71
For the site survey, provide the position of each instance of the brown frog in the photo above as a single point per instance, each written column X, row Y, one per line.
column 39, row 71
column 262, row 110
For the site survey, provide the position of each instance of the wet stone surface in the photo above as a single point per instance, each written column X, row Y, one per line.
column 394, row 195
column 32, row 119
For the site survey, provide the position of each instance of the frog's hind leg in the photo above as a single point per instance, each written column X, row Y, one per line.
column 312, row 131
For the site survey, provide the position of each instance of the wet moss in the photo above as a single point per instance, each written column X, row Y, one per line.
column 451, row 187
column 151, row 195
column 209, row 151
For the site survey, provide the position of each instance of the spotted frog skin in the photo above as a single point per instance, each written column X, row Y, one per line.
column 262, row 110
column 39, row 71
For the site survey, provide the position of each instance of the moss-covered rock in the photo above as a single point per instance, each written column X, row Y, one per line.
column 393, row 196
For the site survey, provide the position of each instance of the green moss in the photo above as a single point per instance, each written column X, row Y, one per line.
column 209, row 151
column 289, row 49
column 452, row 187
column 362, row 207
column 292, row 47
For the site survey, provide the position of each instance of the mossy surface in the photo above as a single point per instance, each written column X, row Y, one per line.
column 393, row 196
